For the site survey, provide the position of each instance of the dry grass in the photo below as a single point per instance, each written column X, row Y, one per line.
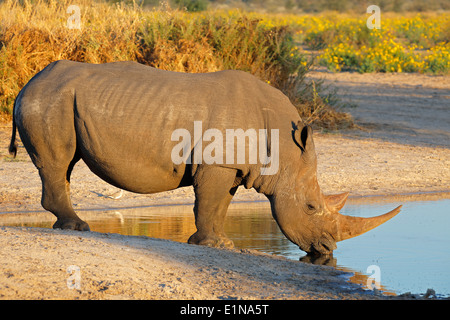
column 35, row 33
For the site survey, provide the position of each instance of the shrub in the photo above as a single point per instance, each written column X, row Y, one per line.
column 192, row 5
column 33, row 34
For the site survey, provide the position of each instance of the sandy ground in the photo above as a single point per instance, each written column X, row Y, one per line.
column 396, row 107
column 403, row 148
column 125, row 267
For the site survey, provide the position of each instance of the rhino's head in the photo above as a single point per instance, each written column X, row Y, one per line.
column 305, row 215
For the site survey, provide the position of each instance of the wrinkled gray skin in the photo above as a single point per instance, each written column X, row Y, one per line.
column 119, row 118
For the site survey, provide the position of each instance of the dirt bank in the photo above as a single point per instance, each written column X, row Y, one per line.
column 125, row 267
column 396, row 107
column 383, row 159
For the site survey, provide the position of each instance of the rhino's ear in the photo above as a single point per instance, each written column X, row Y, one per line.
column 303, row 137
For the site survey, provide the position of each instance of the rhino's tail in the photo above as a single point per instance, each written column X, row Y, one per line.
column 13, row 145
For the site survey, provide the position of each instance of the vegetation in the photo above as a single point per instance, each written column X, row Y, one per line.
column 316, row 6
column 35, row 33
column 415, row 43
column 192, row 5
column 277, row 48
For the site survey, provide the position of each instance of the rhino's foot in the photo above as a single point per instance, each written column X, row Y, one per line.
column 226, row 243
column 211, row 241
column 71, row 224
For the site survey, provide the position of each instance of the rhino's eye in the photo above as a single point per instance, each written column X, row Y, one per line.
column 311, row 208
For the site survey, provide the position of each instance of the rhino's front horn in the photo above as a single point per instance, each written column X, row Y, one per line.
column 349, row 227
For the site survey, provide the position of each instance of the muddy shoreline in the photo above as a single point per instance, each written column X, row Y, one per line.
column 379, row 161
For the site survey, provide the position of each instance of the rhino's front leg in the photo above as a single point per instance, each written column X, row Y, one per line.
column 213, row 187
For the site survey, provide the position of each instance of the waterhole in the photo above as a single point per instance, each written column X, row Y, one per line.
column 410, row 253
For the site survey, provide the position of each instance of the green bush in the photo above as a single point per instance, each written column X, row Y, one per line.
column 192, row 5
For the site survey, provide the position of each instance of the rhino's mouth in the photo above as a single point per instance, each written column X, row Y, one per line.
column 324, row 246
column 322, row 249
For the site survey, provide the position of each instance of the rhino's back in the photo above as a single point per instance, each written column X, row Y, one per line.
column 128, row 88
column 125, row 114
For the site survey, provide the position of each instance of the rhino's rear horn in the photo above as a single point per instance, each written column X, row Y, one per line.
column 336, row 202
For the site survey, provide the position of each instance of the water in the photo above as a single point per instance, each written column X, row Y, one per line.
column 412, row 250
column 410, row 253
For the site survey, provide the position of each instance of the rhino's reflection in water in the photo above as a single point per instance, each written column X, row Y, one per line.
column 396, row 249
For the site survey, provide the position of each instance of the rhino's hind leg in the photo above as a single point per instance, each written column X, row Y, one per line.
column 56, row 197
column 46, row 128
column 214, row 190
